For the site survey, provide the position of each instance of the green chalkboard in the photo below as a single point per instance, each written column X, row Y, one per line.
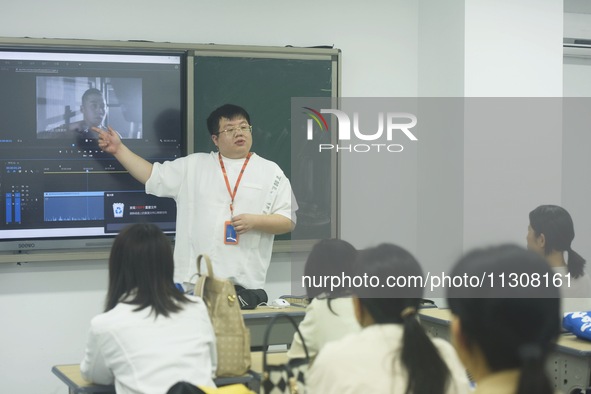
column 264, row 86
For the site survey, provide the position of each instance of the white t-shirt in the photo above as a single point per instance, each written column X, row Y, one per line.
column 196, row 182
column 322, row 325
column 369, row 362
column 141, row 354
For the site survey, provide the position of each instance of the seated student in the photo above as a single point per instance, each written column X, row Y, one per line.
column 330, row 314
column 503, row 334
column 392, row 353
column 150, row 335
column 550, row 234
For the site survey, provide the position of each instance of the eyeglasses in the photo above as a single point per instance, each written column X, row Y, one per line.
column 232, row 132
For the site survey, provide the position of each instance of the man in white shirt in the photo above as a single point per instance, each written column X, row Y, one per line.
column 230, row 203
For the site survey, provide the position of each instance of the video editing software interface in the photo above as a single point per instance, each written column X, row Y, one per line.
column 55, row 182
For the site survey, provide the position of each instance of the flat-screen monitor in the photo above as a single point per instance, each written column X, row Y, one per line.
column 58, row 190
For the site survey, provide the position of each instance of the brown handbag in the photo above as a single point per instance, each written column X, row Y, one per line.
column 232, row 336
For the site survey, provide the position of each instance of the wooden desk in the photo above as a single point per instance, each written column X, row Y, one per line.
column 568, row 366
column 282, row 334
column 71, row 376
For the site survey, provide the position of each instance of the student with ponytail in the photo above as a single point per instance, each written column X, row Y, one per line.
column 503, row 334
column 550, row 234
column 392, row 353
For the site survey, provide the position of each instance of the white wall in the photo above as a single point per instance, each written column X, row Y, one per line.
column 440, row 159
column 481, row 175
column 577, row 161
column 577, row 25
column 513, row 49
column 390, row 48
column 577, row 86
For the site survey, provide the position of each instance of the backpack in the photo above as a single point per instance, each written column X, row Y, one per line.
column 232, row 336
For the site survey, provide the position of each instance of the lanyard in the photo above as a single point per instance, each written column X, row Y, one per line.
column 233, row 194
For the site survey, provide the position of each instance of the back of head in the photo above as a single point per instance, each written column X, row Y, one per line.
column 141, row 268
column 557, row 226
column 329, row 257
column 227, row 111
column 383, row 261
column 387, row 304
column 514, row 324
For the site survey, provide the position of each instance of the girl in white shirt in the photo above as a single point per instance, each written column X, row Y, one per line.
column 150, row 336
column 392, row 353
column 329, row 316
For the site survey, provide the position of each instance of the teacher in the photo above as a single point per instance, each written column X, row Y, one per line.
column 230, row 203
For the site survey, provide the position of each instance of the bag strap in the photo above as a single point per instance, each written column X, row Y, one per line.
column 268, row 333
column 207, row 263
column 200, row 283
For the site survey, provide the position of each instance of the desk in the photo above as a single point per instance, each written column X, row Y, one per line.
column 258, row 319
column 568, row 366
column 70, row 375
column 436, row 322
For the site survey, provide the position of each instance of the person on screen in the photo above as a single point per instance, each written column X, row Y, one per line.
column 230, row 203
column 151, row 335
column 503, row 334
column 392, row 353
column 93, row 110
column 550, row 234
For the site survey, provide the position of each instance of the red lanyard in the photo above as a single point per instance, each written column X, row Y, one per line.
column 232, row 195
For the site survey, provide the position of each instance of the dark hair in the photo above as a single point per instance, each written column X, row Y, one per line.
column 141, row 270
column 514, row 327
column 557, row 226
column 89, row 92
column 329, row 257
column 227, row 111
column 427, row 372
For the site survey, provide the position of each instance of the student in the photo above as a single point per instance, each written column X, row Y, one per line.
column 550, row 234
column 330, row 315
column 230, row 203
column 392, row 353
column 150, row 336
column 503, row 334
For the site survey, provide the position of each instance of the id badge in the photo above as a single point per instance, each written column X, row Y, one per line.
column 230, row 236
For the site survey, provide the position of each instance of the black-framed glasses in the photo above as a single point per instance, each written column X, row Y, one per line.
column 242, row 128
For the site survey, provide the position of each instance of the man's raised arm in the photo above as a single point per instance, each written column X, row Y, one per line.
column 110, row 142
